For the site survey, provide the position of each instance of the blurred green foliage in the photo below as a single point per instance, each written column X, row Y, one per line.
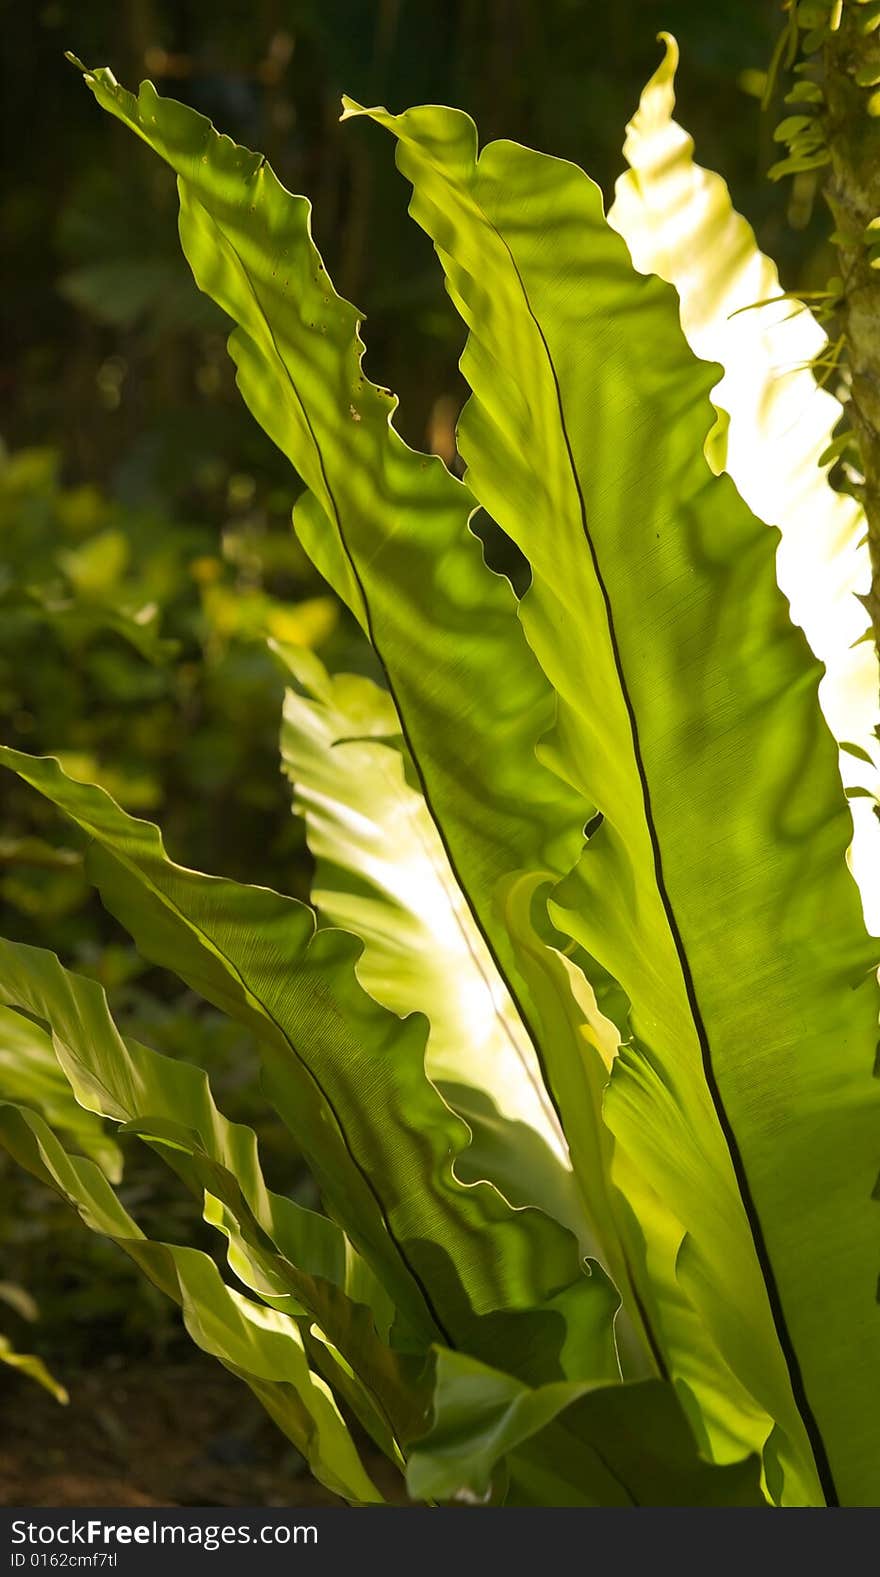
column 133, row 644
column 145, row 544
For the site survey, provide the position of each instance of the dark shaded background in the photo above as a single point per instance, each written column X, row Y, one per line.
column 91, row 267
column 134, row 480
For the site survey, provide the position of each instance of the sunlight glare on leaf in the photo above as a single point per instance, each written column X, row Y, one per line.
column 678, row 221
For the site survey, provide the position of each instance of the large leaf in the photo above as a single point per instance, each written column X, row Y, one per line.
column 260, row 1345
column 299, row 1261
column 348, row 1078
column 715, row 891
column 678, row 221
column 381, row 522
column 567, row 1445
column 389, row 529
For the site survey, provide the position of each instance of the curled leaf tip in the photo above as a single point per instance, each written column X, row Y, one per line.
column 657, row 101
column 669, row 64
column 350, row 107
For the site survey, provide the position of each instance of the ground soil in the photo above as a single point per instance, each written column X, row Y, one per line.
column 147, row 1435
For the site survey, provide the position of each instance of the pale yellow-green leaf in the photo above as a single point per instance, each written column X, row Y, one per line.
column 383, row 873
column 27, row 1363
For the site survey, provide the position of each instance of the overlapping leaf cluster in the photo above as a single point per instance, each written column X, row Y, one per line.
column 578, row 1044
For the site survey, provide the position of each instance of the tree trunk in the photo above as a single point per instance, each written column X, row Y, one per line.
column 852, row 191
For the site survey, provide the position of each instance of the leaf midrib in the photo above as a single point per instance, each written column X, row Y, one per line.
column 310, row 1073
column 789, row 1352
column 404, row 727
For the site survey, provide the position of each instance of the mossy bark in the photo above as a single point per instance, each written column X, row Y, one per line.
column 852, row 190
